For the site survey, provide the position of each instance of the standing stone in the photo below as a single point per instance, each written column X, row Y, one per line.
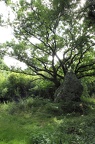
column 70, row 90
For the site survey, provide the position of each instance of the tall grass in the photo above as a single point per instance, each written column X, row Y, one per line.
column 38, row 121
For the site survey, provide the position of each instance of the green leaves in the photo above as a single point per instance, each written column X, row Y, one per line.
column 63, row 40
column 8, row 2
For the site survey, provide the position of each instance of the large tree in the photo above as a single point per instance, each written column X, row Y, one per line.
column 64, row 38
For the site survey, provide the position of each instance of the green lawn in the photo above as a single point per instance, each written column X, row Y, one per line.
column 41, row 122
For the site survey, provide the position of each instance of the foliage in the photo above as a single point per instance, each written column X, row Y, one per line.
column 58, row 27
column 43, row 88
column 14, row 86
column 91, row 89
column 18, row 86
column 3, row 88
column 89, row 85
column 90, row 18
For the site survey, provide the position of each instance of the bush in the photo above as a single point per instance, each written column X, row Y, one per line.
column 15, row 86
column 18, row 86
column 43, row 88
column 89, row 87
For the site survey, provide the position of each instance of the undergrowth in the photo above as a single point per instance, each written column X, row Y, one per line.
column 40, row 121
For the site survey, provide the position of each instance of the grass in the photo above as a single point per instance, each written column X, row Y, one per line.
column 38, row 121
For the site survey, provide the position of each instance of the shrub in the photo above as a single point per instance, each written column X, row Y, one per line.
column 43, row 88
column 18, row 86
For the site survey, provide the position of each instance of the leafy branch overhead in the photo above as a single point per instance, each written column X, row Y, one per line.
column 53, row 38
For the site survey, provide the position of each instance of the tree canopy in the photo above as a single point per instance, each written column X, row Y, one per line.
column 53, row 37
